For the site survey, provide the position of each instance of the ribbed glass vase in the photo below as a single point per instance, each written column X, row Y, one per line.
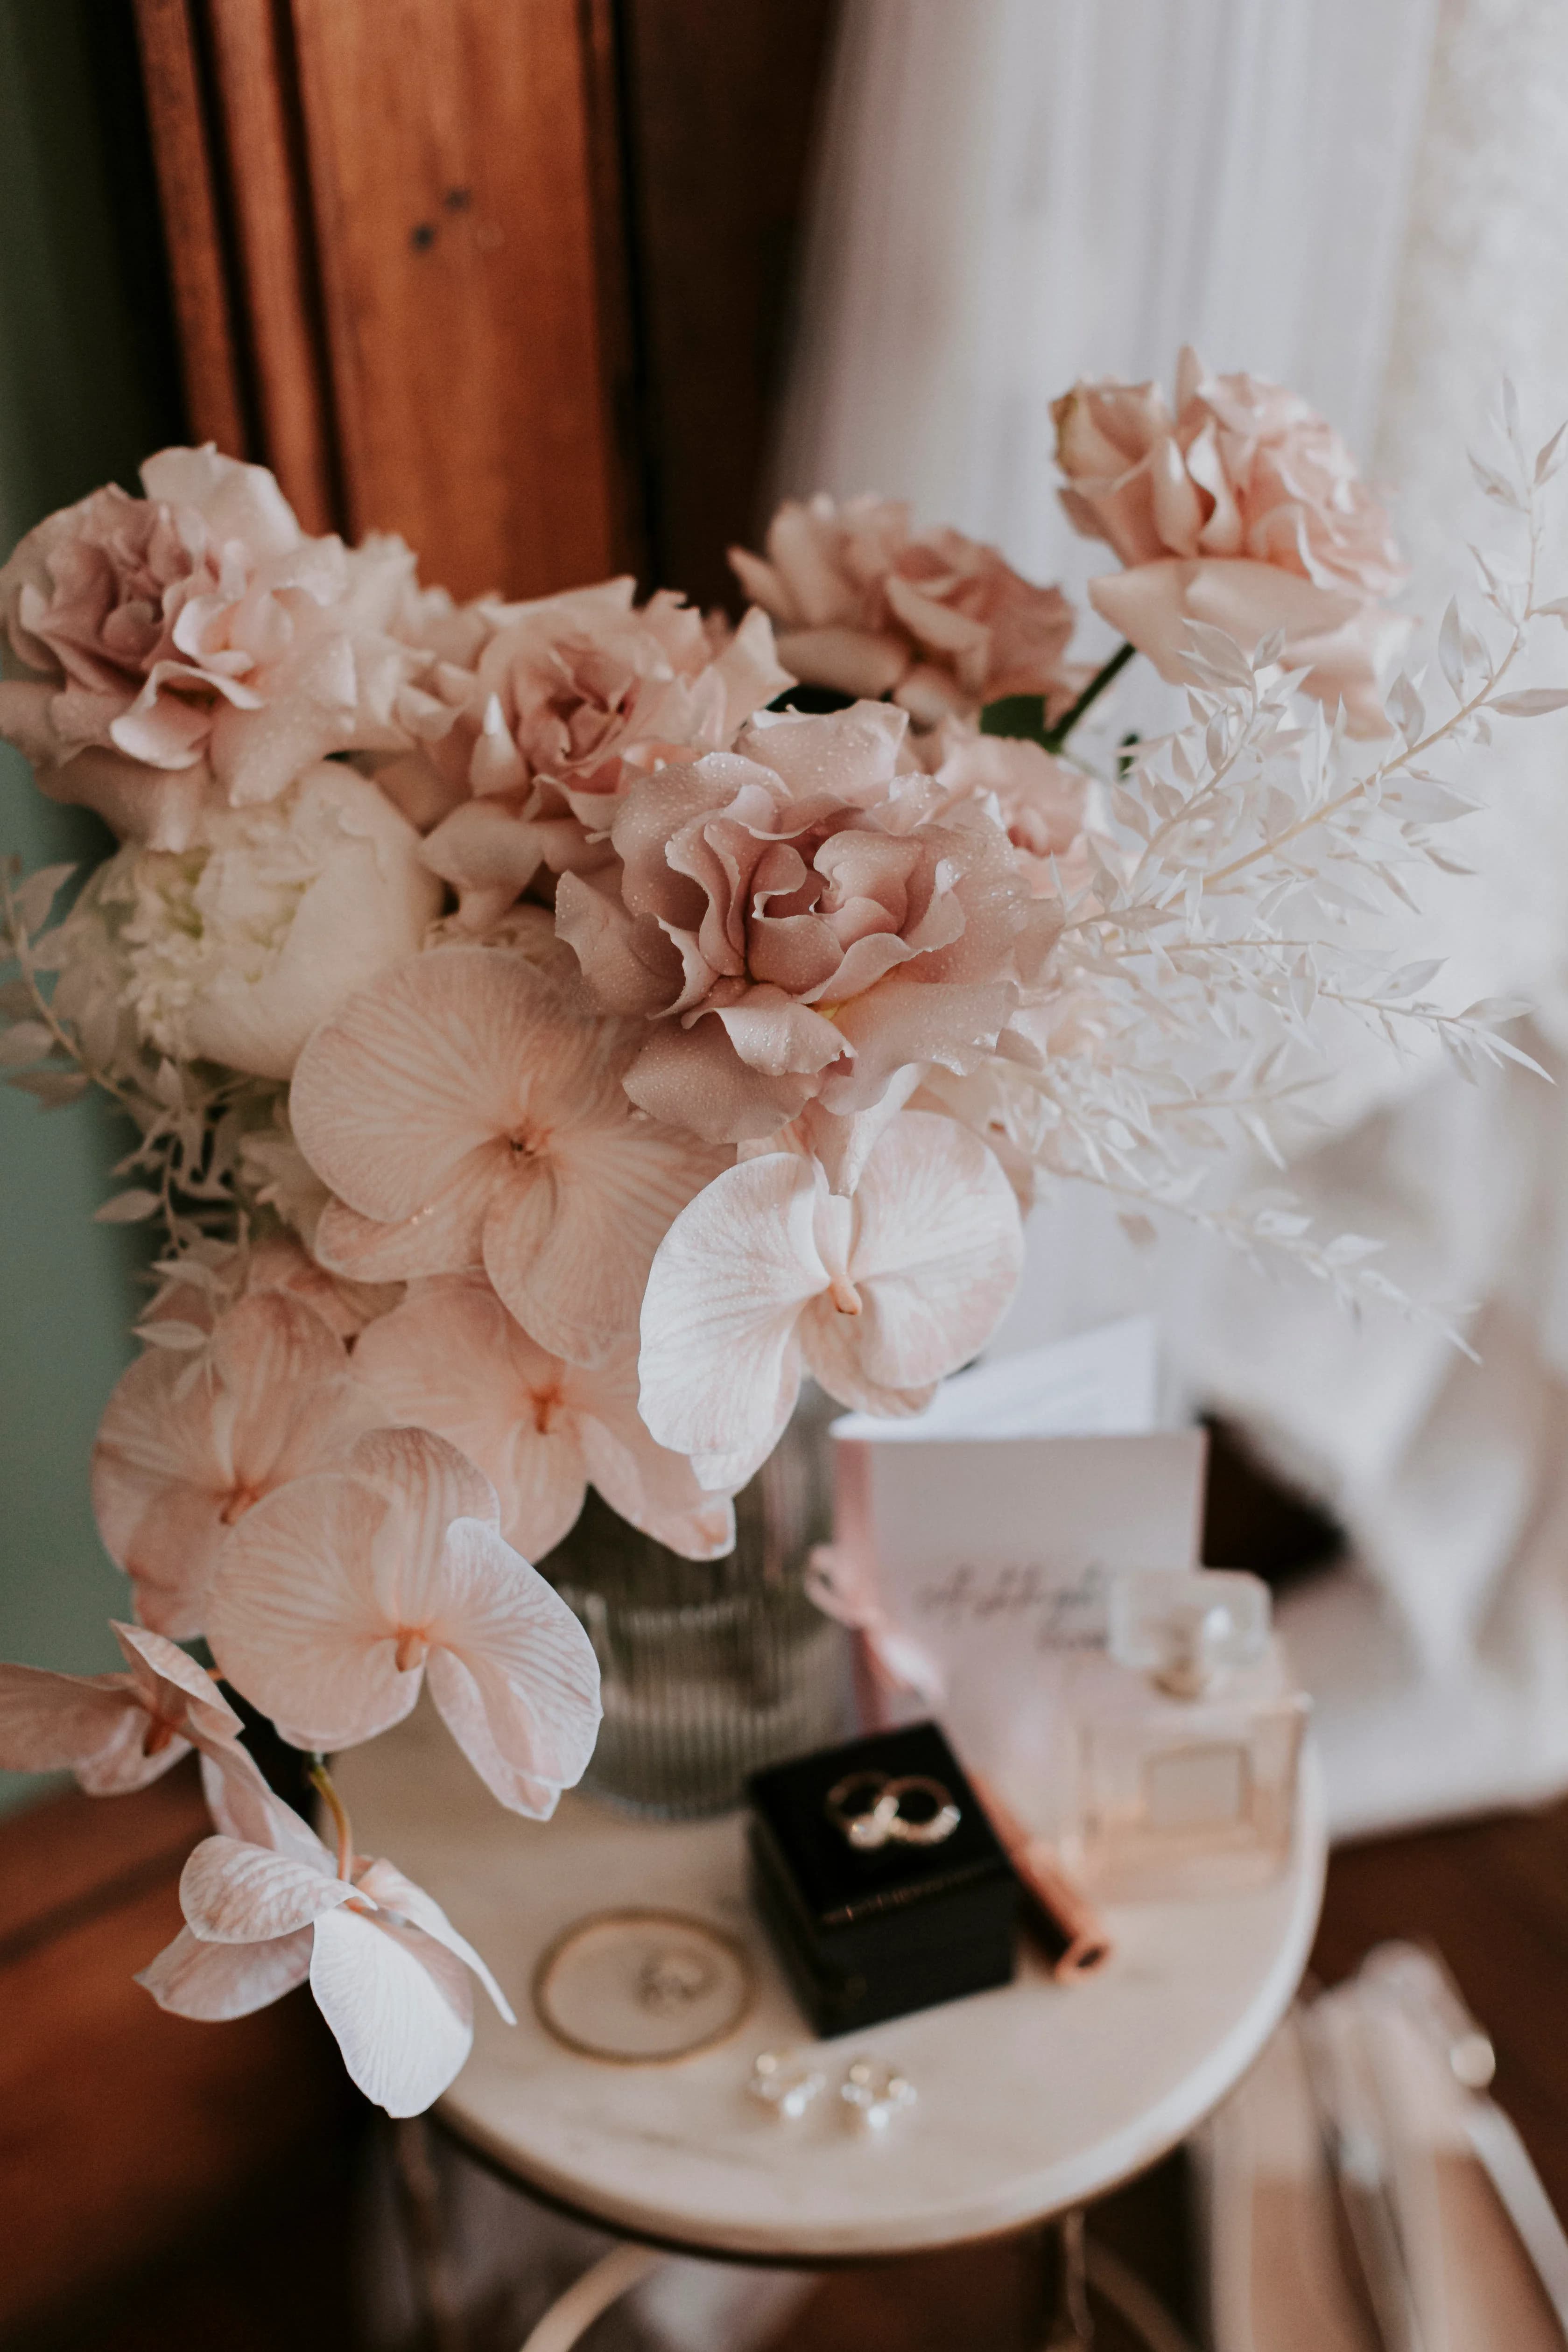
column 711, row 1669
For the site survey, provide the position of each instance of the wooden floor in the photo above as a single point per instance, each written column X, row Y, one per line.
column 236, row 2157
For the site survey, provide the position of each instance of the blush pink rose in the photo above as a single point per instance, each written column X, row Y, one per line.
column 1040, row 801
column 1245, row 511
column 938, row 621
column 797, row 921
column 193, row 646
column 569, row 700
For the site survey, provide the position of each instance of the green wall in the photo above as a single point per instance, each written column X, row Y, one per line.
column 84, row 360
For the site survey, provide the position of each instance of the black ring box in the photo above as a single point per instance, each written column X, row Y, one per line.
column 872, row 1933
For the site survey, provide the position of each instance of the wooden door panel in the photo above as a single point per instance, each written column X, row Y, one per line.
column 396, row 244
column 256, row 106
column 506, row 275
column 188, row 193
column 455, row 209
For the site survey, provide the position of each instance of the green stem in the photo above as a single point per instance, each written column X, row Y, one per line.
column 321, row 1779
column 1058, row 735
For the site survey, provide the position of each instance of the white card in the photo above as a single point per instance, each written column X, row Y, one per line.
column 989, row 1553
column 1102, row 1384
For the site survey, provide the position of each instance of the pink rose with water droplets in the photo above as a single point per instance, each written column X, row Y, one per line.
column 1041, row 802
column 797, row 919
column 567, row 702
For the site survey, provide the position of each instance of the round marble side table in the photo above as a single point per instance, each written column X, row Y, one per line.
column 1032, row 2100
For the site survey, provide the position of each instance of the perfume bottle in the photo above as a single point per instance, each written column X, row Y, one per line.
column 1186, row 1739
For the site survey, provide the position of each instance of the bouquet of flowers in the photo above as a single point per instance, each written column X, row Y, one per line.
column 550, row 1030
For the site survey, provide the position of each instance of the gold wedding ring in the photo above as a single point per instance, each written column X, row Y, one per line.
column 869, row 1809
column 862, row 1808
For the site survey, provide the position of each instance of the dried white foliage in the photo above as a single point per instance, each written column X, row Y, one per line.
column 1233, row 894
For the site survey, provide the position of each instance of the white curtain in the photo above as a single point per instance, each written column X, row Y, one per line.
column 1014, row 193
column 1367, row 199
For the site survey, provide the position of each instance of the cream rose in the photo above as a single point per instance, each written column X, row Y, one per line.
column 235, row 947
column 1041, row 802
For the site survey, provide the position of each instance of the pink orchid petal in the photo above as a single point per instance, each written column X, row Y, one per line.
column 568, row 1253
column 720, row 1364
column 542, row 1482
column 264, row 1351
column 937, row 1253
column 53, row 1723
column 831, row 1344
column 426, row 1484
column 844, row 1143
column 176, row 1464
column 215, row 1982
column 233, row 1893
column 385, row 1884
column 435, row 1062
column 530, row 1661
column 169, row 1558
column 296, row 1618
column 149, row 1440
column 656, row 1490
column 447, row 1236
column 462, row 1707
column 324, row 1584
column 398, row 2004
column 727, row 1473
column 242, row 1806
column 125, row 1764
column 452, row 1359
column 168, row 1676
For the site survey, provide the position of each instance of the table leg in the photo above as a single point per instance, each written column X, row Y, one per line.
column 427, row 2233
column 571, row 2315
column 1072, row 2329
column 1135, row 2303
